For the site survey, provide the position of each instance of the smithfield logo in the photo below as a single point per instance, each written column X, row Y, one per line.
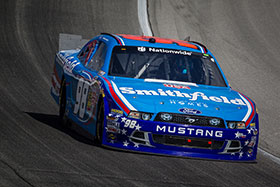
column 189, row 111
column 189, row 96
column 141, row 49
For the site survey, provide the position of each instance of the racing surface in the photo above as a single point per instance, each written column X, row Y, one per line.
column 36, row 151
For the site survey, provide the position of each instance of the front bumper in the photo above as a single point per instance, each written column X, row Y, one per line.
column 180, row 140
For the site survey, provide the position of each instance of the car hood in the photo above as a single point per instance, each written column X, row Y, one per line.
column 176, row 97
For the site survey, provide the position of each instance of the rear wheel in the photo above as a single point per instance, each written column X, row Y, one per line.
column 62, row 105
column 100, row 123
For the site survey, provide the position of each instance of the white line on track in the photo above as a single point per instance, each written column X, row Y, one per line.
column 146, row 29
column 270, row 156
column 143, row 18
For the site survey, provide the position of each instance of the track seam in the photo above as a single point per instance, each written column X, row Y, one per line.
column 145, row 25
column 17, row 173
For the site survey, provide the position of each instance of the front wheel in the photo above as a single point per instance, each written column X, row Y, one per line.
column 100, row 123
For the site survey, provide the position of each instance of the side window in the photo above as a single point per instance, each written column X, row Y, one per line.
column 98, row 58
column 86, row 52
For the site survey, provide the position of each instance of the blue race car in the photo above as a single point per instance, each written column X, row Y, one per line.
column 154, row 95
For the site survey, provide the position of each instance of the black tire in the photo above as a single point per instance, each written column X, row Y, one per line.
column 62, row 105
column 100, row 123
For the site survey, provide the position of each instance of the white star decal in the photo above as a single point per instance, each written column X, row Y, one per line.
column 237, row 134
column 246, row 143
column 125, row 143
column 240, row 154
column 136, row 145
column 138, row 127
column 249, row 131
column 233, row 154
column 123, row 119
column 124, row 131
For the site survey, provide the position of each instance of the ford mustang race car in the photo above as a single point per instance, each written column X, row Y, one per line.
column 154, row 95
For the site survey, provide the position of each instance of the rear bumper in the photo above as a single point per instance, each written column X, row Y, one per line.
column 180, row 140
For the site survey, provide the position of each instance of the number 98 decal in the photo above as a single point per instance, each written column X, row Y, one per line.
column 81, row 98
column 86, row 99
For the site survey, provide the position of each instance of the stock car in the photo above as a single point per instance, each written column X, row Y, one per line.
column 154, row 95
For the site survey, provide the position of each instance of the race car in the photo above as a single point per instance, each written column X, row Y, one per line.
column 154, row 95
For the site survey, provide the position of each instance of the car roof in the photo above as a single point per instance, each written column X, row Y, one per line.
column 151, row 41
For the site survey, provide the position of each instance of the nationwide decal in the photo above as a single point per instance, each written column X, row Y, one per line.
column 169, row 51
column 176, row 93
column 189, row 131
column 189, row 111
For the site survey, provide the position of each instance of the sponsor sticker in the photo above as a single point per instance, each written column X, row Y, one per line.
column 141, row 49
column 113, row 127
column 240, row 126
column 176, row 86
column 255, row 131
column 239, row 135
column 189, row 111
column 253, row 141
column 101, row 73
column 116, row 111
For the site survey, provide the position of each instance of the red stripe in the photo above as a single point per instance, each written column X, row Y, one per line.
column 253, row 110
column 117, row 99
column 204, row 51
column 118, row 40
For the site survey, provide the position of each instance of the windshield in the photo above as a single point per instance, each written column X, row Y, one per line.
column 165, row 64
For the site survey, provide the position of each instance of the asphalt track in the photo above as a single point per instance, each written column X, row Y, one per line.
column 36, row 151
